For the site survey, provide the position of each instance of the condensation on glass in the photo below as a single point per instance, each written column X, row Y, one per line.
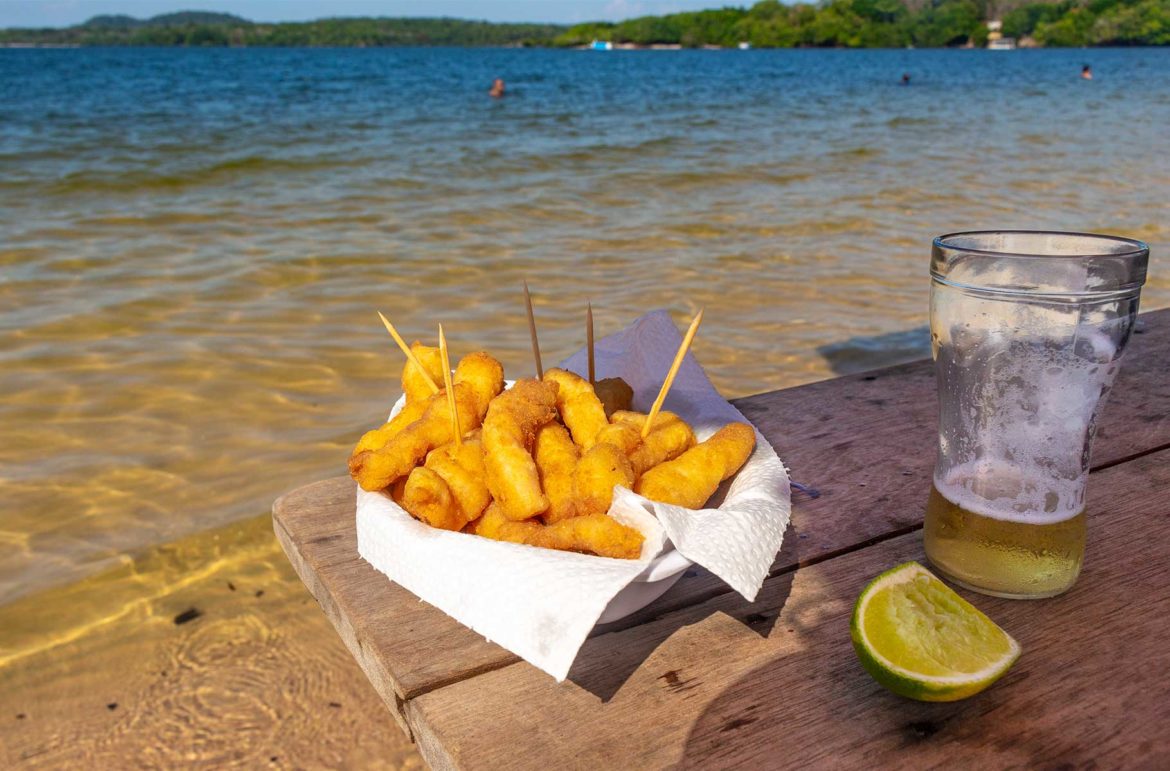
column 1027, row 330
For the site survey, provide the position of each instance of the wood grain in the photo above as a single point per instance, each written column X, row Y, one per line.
column 866, row 442
column 393, row 635
column 776, row 683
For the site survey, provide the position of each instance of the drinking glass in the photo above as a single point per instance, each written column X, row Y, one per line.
column 1027, row 330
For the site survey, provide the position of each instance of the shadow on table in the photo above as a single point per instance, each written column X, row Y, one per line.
column 602, row 672
column 865, row 352
column 699, row 594
column 755, row 712
column 811, row 704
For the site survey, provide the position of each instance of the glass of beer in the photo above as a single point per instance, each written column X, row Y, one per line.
column 1027, row 330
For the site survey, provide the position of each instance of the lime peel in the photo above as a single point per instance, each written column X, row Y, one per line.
column 920, row 639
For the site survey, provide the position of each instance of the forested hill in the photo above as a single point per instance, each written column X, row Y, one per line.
column 767, row 24
column 197, row 28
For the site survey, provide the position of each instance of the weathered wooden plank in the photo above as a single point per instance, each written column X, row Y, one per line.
column 865, row 442
column 776, row 683
column 393, row 635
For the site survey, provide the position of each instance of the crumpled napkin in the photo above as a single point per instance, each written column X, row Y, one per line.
column 541, row 604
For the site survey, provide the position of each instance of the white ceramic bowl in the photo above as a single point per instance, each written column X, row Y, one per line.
column 663, row 572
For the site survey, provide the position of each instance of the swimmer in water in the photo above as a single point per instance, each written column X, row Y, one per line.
column 1086, row 72
column 497, row 89
column 905, row 78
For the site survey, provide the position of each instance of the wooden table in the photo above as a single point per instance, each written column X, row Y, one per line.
column 702, row 678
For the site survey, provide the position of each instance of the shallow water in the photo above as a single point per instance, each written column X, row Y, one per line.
column 194, row 242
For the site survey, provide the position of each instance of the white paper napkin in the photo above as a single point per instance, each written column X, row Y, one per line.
column 541, row 604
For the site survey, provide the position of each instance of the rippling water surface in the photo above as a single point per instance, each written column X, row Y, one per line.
column 194, row 242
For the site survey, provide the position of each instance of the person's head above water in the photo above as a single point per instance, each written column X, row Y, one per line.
column 905, row 78
column 497, row 89
column 1087, row 72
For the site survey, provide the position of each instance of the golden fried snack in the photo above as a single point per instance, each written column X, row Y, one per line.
column 665, row 442
column 414, row 385
column 469, row 455
column 615, row 394
column 397, row 490
column 384, row 455
column 669, row 439
column 556, row 458
column 372, row 440
column 691, row 478
column 599, row 470
column 509, row 432
column 639, row 418
column 377, row 469
column 480, row 372
column 485, row 376
column 428, row 498
column 594, row 534
column 494, row 525
column 461, row 468
column 624, row 436
column 579, row 406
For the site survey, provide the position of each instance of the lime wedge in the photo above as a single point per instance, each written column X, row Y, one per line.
column 918, row 638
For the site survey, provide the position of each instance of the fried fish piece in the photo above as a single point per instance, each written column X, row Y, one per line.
column 478, row 378
column 639, row 418
column 372, row 440
column 485, row 376
column 579, row 406
column 600, row 469
column 691, row 478
column 615, row 394
column 469, row 454
column 414, row 385
column 670, row 438
column 377, row 469
column 428, row 498
column 481, row 372
column 398, row 490
column 556, row 458
column 597, row 534
column 462, row 469
column 624, row 436
column 592, row 534
column 494, row 525
column 509, row 432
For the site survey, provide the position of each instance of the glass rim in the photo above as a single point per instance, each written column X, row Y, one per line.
column 1138, row 247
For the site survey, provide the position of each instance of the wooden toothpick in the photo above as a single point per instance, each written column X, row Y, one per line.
column 532, row 331
column 409, row 353
column 678, row 359
column 589, row 339
column 455, row 432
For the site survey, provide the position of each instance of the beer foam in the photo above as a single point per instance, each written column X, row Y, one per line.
column 1011, row 493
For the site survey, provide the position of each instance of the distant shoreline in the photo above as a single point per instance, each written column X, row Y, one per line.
column 768, row 24
column 21, row 46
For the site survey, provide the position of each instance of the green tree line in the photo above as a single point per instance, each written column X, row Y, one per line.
column 767, row 24
column 890, row 24
column 209, row 29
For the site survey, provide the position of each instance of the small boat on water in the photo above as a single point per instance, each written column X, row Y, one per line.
column 601, row 45
column 1002, row 44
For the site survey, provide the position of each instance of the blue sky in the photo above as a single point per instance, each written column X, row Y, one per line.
column 58, row 13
